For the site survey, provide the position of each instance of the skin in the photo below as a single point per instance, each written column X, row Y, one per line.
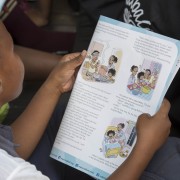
column 37, row 64
column 148, row 129
column 60, row 80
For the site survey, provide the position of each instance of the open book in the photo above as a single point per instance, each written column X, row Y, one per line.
column 126, row 73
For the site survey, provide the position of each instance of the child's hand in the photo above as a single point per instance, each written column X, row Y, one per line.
column 62, row 77
column 152, row 131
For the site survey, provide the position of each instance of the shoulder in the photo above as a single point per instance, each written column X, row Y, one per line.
column 161, row 16
column 17, row 168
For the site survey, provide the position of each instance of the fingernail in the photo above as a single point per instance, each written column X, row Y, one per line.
column 83, row 53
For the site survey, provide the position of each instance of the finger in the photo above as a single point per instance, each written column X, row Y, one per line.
column 69, row 57
column 77, row 60
column 73, row 55
column 144, row 116
column 164, row 109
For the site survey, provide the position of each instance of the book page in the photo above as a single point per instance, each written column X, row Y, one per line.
column 126, row 73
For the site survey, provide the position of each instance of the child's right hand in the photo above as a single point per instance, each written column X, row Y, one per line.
column 61, row 79
column 152, row 131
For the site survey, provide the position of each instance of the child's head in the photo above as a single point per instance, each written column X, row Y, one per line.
column 140, row 75
column 11, row 68
column 113, row 59
column 95, row 55
column 111, row 72
column 120, row 126
column 134, row 70
column 111, row 133
column 147, row 73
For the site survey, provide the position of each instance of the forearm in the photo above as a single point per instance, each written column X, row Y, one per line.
column 38, row 64
column 30, row 126
column 134, row 165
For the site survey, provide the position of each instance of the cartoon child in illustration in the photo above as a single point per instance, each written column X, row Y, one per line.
column 112, row 59
column 147, row 76
column 132, row 78
column 109, row 78
column 120, row 135
column 93, row 64
column 110, row 75
column 111, row 65
column 140, row 78
column 110, row 137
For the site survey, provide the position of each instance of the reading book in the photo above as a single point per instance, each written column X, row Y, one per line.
column 126, row 73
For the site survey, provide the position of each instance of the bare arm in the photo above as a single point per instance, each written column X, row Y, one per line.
column 29, row 127
column 151, row 134
column 38, row 64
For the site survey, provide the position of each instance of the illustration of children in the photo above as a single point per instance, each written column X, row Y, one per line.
column 132, row 78
column 120, row 135
column 93, row 63
column 147, row 76
column 109, row 78
column 110, row 75
column 103, row 70
column 112, row 59
column 110, row 137
column 140, row 78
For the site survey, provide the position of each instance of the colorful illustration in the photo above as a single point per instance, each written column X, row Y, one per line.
column 118, row 139
column 99, row 69
column 142, row 80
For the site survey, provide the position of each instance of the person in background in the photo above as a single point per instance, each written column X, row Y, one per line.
column 40, row 14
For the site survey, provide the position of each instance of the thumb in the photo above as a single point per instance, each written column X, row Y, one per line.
column 164, row 109
column 77, row 60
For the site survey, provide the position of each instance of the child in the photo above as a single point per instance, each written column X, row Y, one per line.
column 113, row 59
column 110, row 75
column 103, row 69
column 93, row 64
column 132, row 78
column 140, row 78
column 28, row 129
column 147, row 75
column 110, row 137
column 23, row 139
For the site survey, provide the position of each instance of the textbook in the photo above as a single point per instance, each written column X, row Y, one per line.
column 126, row 72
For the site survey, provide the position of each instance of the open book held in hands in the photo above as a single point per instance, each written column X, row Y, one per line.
column 126, row 73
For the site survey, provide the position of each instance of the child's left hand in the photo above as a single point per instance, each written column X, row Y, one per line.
column 62, row 77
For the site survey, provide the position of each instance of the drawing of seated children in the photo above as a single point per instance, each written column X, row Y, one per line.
column 110, row 146
column 111, row 65
column 120, row 135
column 147, row 76
column 109, row 78
column 110, row 75
column 110, row 137
column 132, row 78
column 93, row 64
column 140, row 79
column 145, row 88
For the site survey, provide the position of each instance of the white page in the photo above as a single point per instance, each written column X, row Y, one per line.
column 99, row 104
